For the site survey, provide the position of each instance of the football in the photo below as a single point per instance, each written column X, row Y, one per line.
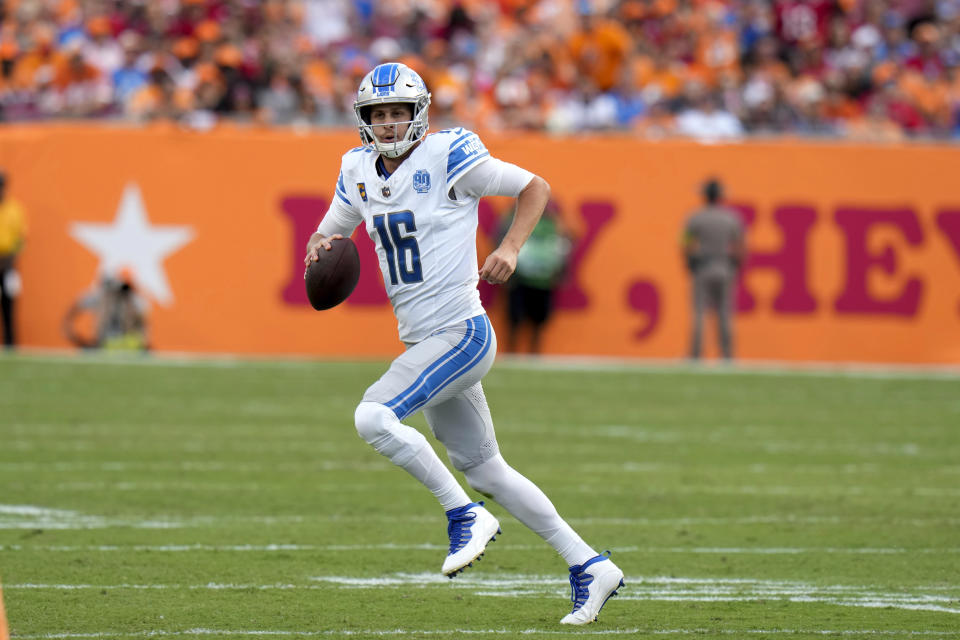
column 332, row 278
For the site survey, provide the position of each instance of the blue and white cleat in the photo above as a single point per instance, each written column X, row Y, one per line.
column 470, row 528
column 592, row 584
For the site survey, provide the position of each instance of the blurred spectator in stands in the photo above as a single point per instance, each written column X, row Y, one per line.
column 599, row 48
column 116, row 313
column 541, row 266
column 37, row 56
column 129, row 76
column 874, row 125
column 803, row 22
column 658, row 124
column 159, row 99
column 101, row 50
column 80, row 89
column 705, row 118
column 714, row 249
column 282, row 99
column 766, row 108
column 810, row 67
column 13, row 234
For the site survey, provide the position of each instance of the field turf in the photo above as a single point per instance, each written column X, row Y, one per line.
column 158, row 497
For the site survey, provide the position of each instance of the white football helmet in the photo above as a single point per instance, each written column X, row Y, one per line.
column 389, row 83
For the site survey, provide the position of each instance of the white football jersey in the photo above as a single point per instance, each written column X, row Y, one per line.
column 426, row 241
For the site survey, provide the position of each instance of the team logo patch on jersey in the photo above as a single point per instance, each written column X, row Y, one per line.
column 421, row 181
column 362, row 188
column 385, row 191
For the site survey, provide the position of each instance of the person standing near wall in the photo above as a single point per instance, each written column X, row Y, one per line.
column 118, row 313
column 13, row 230
column 713, row 245
column 541, row 264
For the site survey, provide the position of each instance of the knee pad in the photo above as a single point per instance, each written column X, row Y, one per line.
column 373, row 421
column 381, row 428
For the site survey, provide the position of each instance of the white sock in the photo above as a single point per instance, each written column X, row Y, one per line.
column 407, row 448
column 528, row 504
column 428, row 469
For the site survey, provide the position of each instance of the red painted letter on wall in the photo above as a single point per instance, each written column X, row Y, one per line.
column 596, row 215
column 304, row 213
column 856, row 225
column 795, row 222
column 949, row 223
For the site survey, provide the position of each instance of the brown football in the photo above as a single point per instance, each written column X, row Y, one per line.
column 332, row 278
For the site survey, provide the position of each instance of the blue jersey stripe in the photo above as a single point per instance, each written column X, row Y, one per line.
column 472, row 356
column 427, row 384
column 454, row 363
column 422, row 378
column 461, row 139
column 342, row 191
column 468, row 163
column 482, row 337
column 458, row 154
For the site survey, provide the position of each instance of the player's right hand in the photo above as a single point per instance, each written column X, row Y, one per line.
column 499, row 265
column 313, row 251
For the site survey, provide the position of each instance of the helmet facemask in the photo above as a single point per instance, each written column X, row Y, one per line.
column 390, row 84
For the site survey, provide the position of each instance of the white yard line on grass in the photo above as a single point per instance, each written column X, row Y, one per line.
column 274, row 467
column 641, row 588
column 750, row 490
column 188, row 466
column 491, row 632
column 739, row 368
column 427, row 546
column 880, row 371
column 19, row 516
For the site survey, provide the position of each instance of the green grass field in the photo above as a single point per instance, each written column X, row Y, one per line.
column 156, row 498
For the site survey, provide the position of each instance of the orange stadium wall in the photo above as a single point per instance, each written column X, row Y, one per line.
column 854, row 250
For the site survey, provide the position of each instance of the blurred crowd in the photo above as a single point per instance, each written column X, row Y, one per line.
column 713, row 69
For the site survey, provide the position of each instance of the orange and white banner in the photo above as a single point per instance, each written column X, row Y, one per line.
column 854, row 250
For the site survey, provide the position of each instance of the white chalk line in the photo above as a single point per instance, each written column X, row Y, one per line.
column 671, row 589
column 634, row 433
column 880, row 371
column 640, row 588
column 540, row 363
column 743, row 438
column 427, row 546
column 491, row 632
column 198, row 467
column 289, row 467
column 748, row 437
column 214, row 445
column 227, row 487
column 716, row 489
column 740, row 368
column 768, row 490
column 18, row 516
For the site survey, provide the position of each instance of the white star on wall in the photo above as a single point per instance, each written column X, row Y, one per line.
column 130, row 241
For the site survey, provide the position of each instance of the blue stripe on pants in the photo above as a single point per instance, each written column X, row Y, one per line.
column 443, row 371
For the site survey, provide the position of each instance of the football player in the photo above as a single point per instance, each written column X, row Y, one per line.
column 417, row 195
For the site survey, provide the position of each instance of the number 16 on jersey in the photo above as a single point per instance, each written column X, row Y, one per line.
column 403, row 252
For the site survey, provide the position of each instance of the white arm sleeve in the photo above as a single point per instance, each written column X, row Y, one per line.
column 493, row 177
column 339, row 218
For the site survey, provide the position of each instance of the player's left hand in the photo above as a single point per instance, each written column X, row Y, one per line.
column 499, row 266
